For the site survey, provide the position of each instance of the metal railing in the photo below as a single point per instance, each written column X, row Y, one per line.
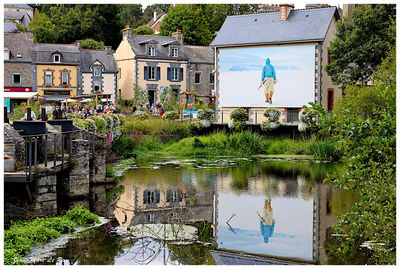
column 38, row 148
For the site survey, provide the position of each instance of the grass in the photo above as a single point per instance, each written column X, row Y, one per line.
column 152, row 126
column 22, row 235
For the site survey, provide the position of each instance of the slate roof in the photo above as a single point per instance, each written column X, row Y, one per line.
column 18, row 43
column 266, row 28
column 199, row 54
column 43, row 53
column 88, row 57
column 10, row 15
column 24, row 6
column 10, row 27
column 162, row 52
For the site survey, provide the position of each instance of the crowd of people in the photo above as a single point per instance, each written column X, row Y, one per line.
column 155, row 109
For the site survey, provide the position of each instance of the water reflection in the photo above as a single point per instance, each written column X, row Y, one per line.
column 175, row 211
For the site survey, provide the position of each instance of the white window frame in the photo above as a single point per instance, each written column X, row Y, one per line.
column 174, row 74
column 14, row 83
column 174, row 52
column 98, row 68
column 59, row 58
column 19, row 55
column 151, row 50
column 151, row 197
column 151, row 71
column 150, row 218
column 195, row 73
column 175, row 196
column 49, row 75
column 175, row 216
column 64, row 82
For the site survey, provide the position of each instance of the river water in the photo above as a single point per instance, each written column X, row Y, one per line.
column 211, row 211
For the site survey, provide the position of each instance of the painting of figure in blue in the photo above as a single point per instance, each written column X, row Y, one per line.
column 267, row 222
column 268, row 79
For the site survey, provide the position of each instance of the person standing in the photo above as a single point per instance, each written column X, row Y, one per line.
column 268, row 79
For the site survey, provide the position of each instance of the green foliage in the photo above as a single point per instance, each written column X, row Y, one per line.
column 155, row 127
column 170, row 115
column 19, row 111
column 205, row 114
column 150, row 143
column 123, row 146
column 324, row 149
column 143, row 30
column 367, row 140
column 239, row 116
column 361, row 43
column 92, row 44
column 140, row 97
column 169, row 100
column 22, row 235
column 109, row 170
column 272, row 119
column 131, row 15
column 82, row 216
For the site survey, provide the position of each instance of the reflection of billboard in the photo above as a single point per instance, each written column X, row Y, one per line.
column 281, row 76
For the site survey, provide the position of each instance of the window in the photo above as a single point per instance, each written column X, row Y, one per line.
column 150, row 197
column 97, row 71
column 150, row 218
column 292, row 114
column 96, row 85
column 48, row 78
column 57, row 58
column 17, row 79
column 331, row 99
column 174, row 52
column 197, row 77
column 19, row 55
column 174, row 74
column 152, row 73
column 175, row 216
column 152, row 51
column 211, row 78
column 64, row 78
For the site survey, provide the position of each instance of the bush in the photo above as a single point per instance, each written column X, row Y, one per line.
column 324, row 149
column 205, row 114
column 247, row 143
column 19, row 111
column 82, row 216
column 150, row 143
column 123, row 145
column 156, row 127
column 170, row 115
column 140, row 115
column 239, row 116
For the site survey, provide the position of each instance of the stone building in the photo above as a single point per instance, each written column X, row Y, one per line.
column 18, row 13
column 158, row 62
column 56, row 70
column 285, row 30
column 156, row 21
column 99, row 72
column 18, row 68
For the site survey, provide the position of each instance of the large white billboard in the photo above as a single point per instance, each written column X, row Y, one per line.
column 278, row 76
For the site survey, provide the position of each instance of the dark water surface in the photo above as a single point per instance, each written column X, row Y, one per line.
column 186, row 211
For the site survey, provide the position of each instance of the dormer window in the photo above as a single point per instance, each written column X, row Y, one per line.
column 97, row 71
column 56, row 58
column 174, row 52
column 152, row 51
column 19, row 55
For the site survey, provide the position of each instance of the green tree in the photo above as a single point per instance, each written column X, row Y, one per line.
column 131, row 15
column 366, row 135
column 148, row 12
column 92, row 44
column 361, row 43
column 143, row 30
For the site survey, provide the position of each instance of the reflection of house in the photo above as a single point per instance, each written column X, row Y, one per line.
column 156, row 21
column 171, row 205
column 288, row 27
column 56, row 70
column 18, row 68
column 99, row 72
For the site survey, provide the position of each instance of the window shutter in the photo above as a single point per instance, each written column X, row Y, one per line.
column 158, row 73
column 145, row 73
column 145, row 193
column 157, row 200
column 179, row 196
column 180, row 74
column 169, row 73
column 169, row 196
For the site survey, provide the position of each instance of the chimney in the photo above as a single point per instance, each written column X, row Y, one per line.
column 78, row 43
column 127, row 32
column 285, row 10
column 155, row 16
column 108, row 50
column 29, row 35
column 178, row 36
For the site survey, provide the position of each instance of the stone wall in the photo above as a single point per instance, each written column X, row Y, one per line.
column 45, row 200
column 14, row 148
column 204, row 69
column 99, row 160
column 24, row 69
column 79, row 173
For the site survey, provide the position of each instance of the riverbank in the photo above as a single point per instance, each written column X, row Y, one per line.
column 22, row 236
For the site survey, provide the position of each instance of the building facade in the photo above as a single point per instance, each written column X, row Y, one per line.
column 152, row 63
column 56, row 71
column 156, row 21
column 158, row 62
column 98, row 72
column 281, row 36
